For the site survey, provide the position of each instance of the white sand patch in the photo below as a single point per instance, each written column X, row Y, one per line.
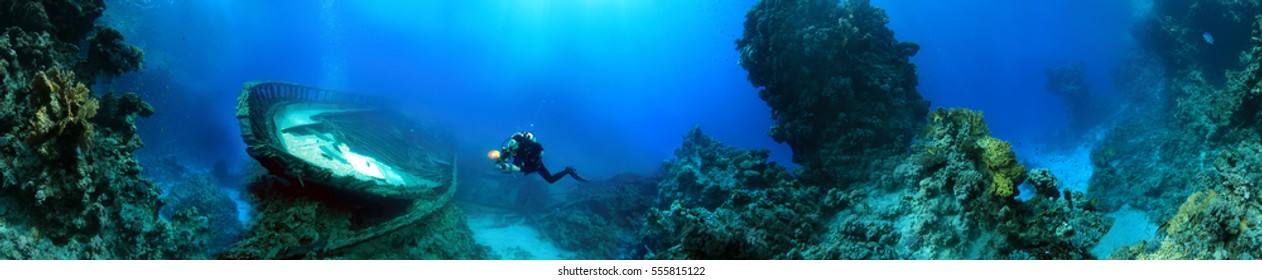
column 510, row 238
column 1072, row 167
column 1129, row 227
column 243, row 208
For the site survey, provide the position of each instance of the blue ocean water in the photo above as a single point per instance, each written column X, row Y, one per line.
column 607, row 86
column 990, row 55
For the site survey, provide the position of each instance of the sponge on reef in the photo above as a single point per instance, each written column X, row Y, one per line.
column 1001, row 162
column 64, row 109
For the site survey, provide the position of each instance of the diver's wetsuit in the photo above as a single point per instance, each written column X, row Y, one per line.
column 529, row 157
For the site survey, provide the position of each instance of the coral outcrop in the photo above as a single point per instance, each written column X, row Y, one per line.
column 63, row 108
column 199, row 194
column 719, row 202
column 1176, row 29
column 1184, row 102
column 1151, row 161
column 841, row 89
column 107, row 54
column 962, row 206
column 602, row 219
column 953, row 199
column 1235, row 111
column 70, row 186
column 1045, row 184
column 1220, row 221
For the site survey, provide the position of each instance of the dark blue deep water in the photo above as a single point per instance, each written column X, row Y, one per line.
column 609, row 86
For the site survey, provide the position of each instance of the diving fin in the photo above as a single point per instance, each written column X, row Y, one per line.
column 574, row 174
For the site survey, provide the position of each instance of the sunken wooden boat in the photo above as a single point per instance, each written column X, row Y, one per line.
column 350, row 147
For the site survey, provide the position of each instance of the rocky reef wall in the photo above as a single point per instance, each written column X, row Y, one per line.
column 719, row 202
column 601, row 219
column 881, row 177
column 952, row 199
column 841, row 89
column 1218, row 219
column 69, row 184
column 1181, row 104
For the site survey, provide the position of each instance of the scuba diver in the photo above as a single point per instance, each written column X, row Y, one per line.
column 521, row 153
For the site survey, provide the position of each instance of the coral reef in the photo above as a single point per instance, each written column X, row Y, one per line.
column 719, row 202
column 117, row 116
column 1218, row 222
column 1147, row 162
column 1045, row 184
column 1150, row 161
column 601, row 220
column 1235, row 111
column 199, row 194
column 67, row 20
column 961, row 185
column 80, row 187
column 952, row 199
column 69, row 183
column 107, row 54
column 1174, row 34
column 841, row 89
column 63, row 107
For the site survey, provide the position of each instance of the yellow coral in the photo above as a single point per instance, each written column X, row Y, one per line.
column 64, row 108
column 1001, row 162
column 1002, row 186
column 971, row 135
column 1195, row 204
column 956, row 120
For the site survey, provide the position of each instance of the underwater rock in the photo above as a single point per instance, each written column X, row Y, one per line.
column 200, row 194
column 117, row 115
column 1174, row 33
column 107, row 54
column 842, row 90
column 966, row 190
column 1235, row 112
column 602, row 219
column 1220, row 221
column 954, row 199
column 68, row 20
column 71, row 191
column 1151, row 161
column 27, row 53
column 1045, row 184
column 60, row 128
column 708, row 208
column 1148, row 162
